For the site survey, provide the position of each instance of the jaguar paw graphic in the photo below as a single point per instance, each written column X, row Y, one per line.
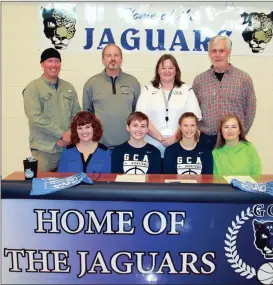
column 258, row 32
column 59, row 26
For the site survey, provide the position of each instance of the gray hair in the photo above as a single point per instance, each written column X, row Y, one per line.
column 103, row 51
column 223, row 38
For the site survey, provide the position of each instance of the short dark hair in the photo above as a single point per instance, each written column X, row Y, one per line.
column 137, row 116
column 182, row 117
column 220, row 139
column 177, row 80
column 83, row 118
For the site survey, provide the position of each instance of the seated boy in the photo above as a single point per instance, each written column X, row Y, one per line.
column 136, row 156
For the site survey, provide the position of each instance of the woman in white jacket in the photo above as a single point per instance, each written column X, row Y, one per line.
column 164, row 100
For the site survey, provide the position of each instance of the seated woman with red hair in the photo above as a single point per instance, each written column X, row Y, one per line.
column 85, row 154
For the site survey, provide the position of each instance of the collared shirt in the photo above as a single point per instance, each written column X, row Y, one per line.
column 72, row 160
column 233, row 94
column 152, row 103
column 112, row 101
column 49, row 111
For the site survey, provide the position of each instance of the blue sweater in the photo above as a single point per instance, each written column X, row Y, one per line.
column 178, row 160
column 131, row 160
column 72, row 160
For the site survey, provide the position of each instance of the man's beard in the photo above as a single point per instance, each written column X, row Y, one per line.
column 113, row 66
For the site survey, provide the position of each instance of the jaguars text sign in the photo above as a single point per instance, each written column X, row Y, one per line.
column 86, row 27
column 102, row 242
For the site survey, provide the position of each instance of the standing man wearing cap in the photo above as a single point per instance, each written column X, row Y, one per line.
column 50, row 103
column 223, row 89
column 112, row 96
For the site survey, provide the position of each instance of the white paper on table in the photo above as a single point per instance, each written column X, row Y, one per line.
column 180, row 181
column 240, row 178
column 131, row 178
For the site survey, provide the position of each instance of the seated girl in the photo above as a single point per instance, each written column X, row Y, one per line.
column 188, row 156
column 136, row 156
column 233, row 154
column 85, row 154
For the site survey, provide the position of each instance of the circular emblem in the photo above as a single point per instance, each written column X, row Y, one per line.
column 29, row 173
column 134, row 170
column 231, row 250
column 265, row 273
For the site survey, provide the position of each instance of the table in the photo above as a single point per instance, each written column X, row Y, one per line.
column 154, row 178
column 135, row 233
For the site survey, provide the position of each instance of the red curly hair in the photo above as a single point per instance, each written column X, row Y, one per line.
column 84, row 118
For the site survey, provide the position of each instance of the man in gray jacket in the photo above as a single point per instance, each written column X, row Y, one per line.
column 50, row 103
column 112, row 96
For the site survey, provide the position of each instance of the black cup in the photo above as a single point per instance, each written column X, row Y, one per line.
column 30, row 169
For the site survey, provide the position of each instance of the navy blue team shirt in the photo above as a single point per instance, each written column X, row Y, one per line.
column 127, row 159
column 178, row 160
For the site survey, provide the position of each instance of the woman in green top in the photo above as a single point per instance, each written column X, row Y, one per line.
column 233, row 154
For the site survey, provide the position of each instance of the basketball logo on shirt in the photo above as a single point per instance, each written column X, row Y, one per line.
column 189, row 166
column 134, row 165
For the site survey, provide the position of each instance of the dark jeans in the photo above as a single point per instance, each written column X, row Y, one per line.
column 208, row 141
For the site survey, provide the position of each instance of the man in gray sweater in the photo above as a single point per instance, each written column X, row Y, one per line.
column 112, row 96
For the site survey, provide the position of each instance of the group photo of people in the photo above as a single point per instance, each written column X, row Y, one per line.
column 166, row 126
column 130, row 128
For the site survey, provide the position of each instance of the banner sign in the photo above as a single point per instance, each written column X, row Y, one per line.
column 113, row 242
column 157, row 27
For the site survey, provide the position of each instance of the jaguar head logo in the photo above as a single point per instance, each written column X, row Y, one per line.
column 29, row 173
column 59, row 26
column 258, row 32
column 263, row 233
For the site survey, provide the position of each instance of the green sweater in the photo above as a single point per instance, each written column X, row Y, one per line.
column 49, row 111
column 241, row 159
